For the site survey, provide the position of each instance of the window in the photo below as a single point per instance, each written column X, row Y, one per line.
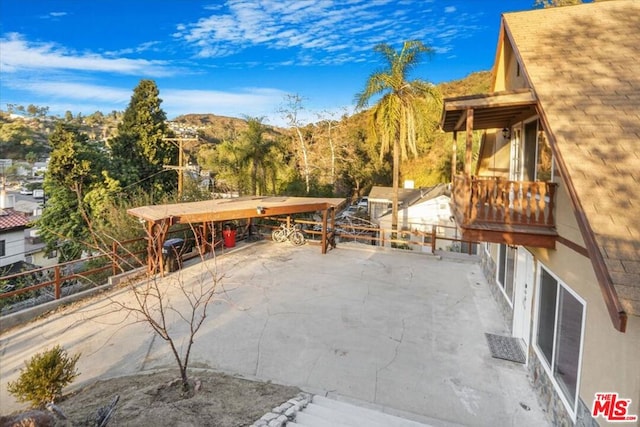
column 506, row 270
column 531, row 157
column 2, row 249
column 559, row 335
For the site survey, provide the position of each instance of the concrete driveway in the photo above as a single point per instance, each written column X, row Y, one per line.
column 390, row 329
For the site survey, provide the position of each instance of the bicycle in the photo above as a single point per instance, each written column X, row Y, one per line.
column 292, row 234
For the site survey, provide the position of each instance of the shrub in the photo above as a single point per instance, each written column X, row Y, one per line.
column 44, row 376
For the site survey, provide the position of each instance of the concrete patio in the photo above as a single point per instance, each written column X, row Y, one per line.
column 393, row 330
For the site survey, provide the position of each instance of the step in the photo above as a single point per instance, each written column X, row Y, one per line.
column 342, row 415
column 310, row 420
column 347, row 413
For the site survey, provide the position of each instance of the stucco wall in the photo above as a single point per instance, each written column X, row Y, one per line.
column 13, row 247
column 610, row 359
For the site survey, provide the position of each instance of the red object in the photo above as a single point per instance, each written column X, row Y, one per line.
column 229, row 237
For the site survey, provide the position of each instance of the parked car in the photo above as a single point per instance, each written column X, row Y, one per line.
column 351, row 211
column 25, row 191
column 363, row 202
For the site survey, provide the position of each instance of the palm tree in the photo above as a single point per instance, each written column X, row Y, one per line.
column 256, row 153
column 397, row 116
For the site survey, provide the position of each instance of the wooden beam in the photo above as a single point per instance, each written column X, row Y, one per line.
column 324, row 231
column 469, row 144
column 461, row 121
column 509, row 238
column 227, row 215
column 454, row 155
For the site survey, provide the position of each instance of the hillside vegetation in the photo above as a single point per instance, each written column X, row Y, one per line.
column 342, row 157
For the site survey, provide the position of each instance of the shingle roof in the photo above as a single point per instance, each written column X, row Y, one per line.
column 385, row 194
column 583, row 64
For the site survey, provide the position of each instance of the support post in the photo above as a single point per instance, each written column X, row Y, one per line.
column 454, row 156
column 469, row 144
column 324, row 231
column 433, row 239
column 56, row 273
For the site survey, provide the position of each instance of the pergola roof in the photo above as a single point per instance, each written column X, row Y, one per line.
column 491, row 111
column 159, row 218
column 235, row 208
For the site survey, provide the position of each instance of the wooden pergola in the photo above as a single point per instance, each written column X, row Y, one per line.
column 158, row 219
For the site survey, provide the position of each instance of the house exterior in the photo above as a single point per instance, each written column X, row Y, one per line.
column 12, row 243
column 431, row 210
column 555, row 196
column 381, row 198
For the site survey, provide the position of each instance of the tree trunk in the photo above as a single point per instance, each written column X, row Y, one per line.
column 254, row 177
column 396, row 179
column 303, row 147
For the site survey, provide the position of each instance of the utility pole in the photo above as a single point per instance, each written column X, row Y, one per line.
column 180, row 168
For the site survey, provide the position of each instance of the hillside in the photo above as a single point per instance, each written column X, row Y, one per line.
column 213, row 129
column 473, row 84
column 342, row 156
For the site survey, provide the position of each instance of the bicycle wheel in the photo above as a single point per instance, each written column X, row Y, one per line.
column 277, row 235
column 297, row 238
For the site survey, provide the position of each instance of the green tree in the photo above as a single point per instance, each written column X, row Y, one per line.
column 44, row 377
column 291, row 112
column 75, row 168
column 397, row 116
column 256, row 152
column 139, row 150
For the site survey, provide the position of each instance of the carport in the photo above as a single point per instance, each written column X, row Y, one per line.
column 203, row 215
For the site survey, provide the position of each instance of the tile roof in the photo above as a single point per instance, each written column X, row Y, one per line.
column 10, row 219
column 582, row 62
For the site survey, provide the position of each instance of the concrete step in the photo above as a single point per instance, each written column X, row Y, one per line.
column 324, row 412
column 305, row 419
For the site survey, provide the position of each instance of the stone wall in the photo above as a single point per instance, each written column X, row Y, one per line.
column 550, row 400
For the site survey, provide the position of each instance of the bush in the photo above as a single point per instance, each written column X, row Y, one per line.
column 44, row 377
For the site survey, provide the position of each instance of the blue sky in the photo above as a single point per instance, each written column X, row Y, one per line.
column 230, row 57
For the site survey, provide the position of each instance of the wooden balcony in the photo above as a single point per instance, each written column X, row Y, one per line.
column 501, row 211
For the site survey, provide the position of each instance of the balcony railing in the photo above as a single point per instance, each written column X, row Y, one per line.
column 493, row 202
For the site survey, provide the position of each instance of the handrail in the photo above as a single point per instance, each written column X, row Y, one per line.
column 501, row 201
column 58, row 274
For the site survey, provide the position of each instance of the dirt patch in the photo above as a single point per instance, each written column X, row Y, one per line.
column 157, row 399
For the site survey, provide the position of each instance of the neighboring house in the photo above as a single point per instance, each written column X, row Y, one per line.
column 419, row 219
column 380, row 199
column 12, row 244
column 36, row 252
column 556, row 196
column 39, row 168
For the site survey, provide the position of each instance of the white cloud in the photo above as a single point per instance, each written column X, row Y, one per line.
column 87, row 98
column 78, row 91
column 318, row 29
column 245, row 101
column 18, row 54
